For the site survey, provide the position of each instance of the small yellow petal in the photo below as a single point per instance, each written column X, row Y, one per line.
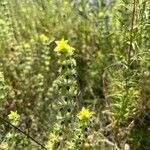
column 85, row 114
column 13, row 115
column 63, row 45
column 44, row 38
column 26, row 45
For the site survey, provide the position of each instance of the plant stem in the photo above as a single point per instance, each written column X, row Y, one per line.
column 131, row 34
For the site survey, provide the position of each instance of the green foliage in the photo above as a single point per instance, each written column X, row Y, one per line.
column 3, row 89
column 108, row 73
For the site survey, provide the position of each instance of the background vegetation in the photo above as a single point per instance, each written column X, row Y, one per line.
column 112, row 53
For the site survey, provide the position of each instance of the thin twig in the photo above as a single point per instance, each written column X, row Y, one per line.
column 131, row 34
column 27, row 135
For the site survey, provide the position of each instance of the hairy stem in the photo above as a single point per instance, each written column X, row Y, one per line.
column 131, row 34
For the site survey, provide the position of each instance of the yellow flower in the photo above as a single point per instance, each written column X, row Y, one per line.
column 44, row 38
column 63, row 45
column 17, row 47
column 32, row 41
column 85, row 114
column 27, row 45
column 2, row 22
column 100, row 55
column 13, row 115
